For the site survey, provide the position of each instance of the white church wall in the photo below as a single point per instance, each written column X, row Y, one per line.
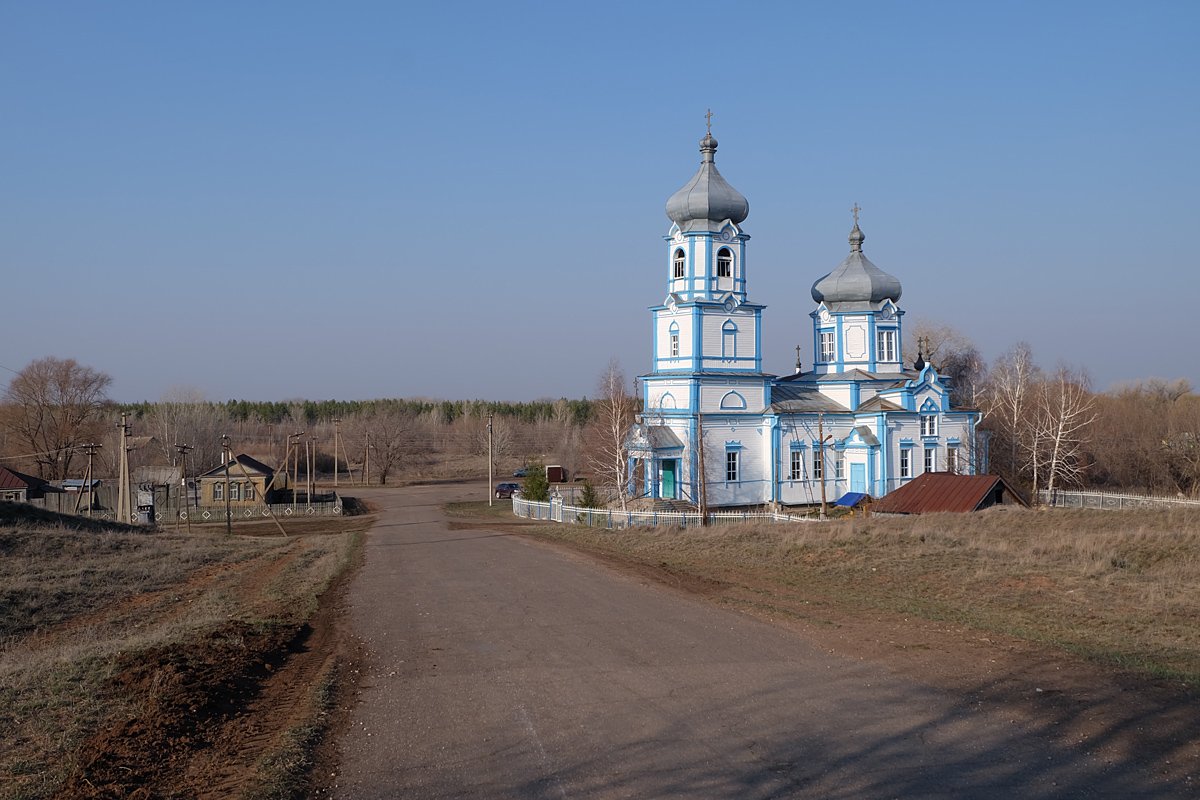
column 750, row 440
column 838, row 393
column 712, row 396
column 856, row 347
column 668, row 395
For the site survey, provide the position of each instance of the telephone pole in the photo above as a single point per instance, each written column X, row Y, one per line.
column 336, row 424
column 295, row 456
column 228, row 513
column 367, row 462
column 90, row 449
column 184, row 449
column 124, row 512
column 700, row 462
column 821, row 438
column 491, row 493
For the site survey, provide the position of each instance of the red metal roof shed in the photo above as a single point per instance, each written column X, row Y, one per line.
column 944, row 491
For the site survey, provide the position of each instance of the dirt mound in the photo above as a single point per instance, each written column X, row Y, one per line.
column 187, row 697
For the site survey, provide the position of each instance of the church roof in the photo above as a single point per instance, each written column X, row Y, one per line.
column 803, row 399
column 877, row 403
column 856, row 284
column 850, row 375
column 707, row 200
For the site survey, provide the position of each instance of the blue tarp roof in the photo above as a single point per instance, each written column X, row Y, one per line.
column 850, row 499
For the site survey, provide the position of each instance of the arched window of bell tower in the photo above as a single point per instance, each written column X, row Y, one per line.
column 677, row 262
column 724, row 263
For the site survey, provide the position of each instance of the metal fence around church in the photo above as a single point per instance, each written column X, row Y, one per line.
column 615, row 519
column 1111, row 501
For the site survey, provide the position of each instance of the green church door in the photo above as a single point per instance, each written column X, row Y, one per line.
column 858, row 478
column 668, row 479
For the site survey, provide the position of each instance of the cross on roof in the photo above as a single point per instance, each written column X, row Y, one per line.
column 708, row 121
column 855, row 211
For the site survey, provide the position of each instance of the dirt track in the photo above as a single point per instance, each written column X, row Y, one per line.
column 501, row 667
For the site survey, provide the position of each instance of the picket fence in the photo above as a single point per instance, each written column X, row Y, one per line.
column 614, row 519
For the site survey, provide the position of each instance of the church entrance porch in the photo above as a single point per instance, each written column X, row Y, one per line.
column 858, row 478
column 669, row 468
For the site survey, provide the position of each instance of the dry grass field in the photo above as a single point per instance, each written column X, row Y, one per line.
column 1117, row 588
column 158, row 664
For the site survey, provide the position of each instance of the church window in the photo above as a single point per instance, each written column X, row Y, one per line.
column 797, row 471
column 886, row 350
column 906, row 463
column 930, row 459
column 839, row 468
column 729, row 340
column 929, row 425
column 679, row 260
column 731, row 465
column 724, row 263
column 828, row 352
column 818, row 467
column 674, row 345
column 952, row 460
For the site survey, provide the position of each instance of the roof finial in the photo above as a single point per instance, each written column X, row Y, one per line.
column 856, row 234
column 708, row 122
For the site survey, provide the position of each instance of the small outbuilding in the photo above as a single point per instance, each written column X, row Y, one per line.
column 21, row 488
column 934, row 492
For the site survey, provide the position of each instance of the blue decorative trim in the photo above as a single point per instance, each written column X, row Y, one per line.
column 733, row 401
column 733, row 445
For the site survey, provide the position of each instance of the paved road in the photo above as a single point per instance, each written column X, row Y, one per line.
column 503, row 668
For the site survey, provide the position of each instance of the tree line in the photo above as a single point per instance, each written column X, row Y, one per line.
column 1046, row 428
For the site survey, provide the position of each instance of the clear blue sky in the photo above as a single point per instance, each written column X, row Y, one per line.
column 355, row 200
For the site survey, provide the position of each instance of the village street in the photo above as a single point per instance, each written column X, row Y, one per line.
column 500, row 667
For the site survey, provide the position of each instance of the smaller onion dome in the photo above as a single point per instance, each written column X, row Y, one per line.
column 856, row 280
column 707, row 200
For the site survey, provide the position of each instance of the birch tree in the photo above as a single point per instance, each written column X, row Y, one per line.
column 1009, row 410
column 1065, row 416
column 614, row 413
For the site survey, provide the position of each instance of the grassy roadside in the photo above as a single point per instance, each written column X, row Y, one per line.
column 123, row 652
column 1118, row 588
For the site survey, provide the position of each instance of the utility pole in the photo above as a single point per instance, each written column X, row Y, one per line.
column 491, row 493
column 312, row 465
column 367, row 461
column 700, row 460
column 821, row 438
column 184, row 449
column 90, row 449
column 124, row 512
column 228, row 513
column 295, row 463
column 336, row 423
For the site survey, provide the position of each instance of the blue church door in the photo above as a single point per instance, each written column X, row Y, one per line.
column 858, row 477
column 668, row 478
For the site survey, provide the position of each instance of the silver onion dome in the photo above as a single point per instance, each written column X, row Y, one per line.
column 856, row 280
column 707, row 200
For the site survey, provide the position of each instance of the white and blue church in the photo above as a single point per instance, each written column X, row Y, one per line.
column 716, row 428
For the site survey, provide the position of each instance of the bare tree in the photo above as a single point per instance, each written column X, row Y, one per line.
column 390, row 432
column 956, row 358
column 184, row 416
column 614, row 412
column 1009, row 411
column 1065, row 414
column 54, row 406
